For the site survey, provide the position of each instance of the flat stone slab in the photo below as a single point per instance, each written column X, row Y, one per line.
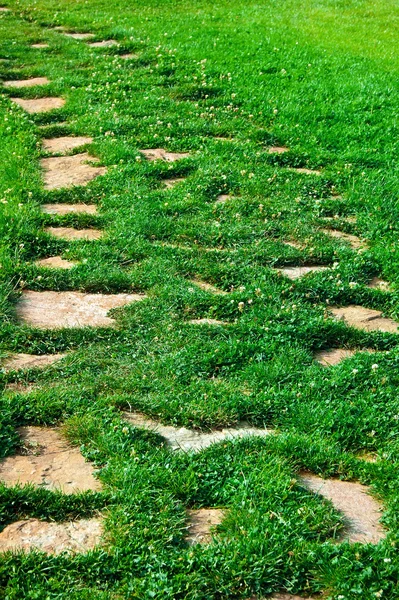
column 79, row 36
column 171, row 183
column 52, row 538
column 379, row 284
column 330, row 358
column 66, row 209
column 67, row 171
column 128, row 56
column 39, row 105
column 305, row 171
column 207, row 321
column 278, row 149
column 17, row 362
column 201, row 522
column 104, row 44
column 70, row 233
column 54, row 310
column 361, row 511
column 26, row 83
column 208, row 287
column 355, row 242
column 47, row 460
column 365, row 318
column 161, row 154
column 298, row 272
column 39, row 46
column 60, row 145
column 181, row 438
column 4, row 9
column 55, row 262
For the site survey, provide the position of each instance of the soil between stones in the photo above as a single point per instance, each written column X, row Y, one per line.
column 39, row 105
column 201, row 522
column 66, row 171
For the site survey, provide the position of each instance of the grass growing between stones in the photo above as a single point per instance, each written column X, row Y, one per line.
column 223, row 82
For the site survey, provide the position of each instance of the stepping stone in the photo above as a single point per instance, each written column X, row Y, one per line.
column 222, row 198
column 171, row 183
column 305, row 171
column 55, row 310
column 39, row 46
column 53, row 538
column 379, row 284
column 78, row 36
column 297, row 272
column 17, row 362
column 201, row 522
column 207, row 321
column 360, row 510
column 60, row 145
column 66, row 209
column 355, row 242
column 295, row 245
column 181, row 438
column 365, row 318
column 207, row 287
column 4, row 9
column 278, row 150
column 19, row 388
column 55, row 262
column 39, row 105
column 104, row 44
column 330, row 358
column 67, row 171
column 70, row 233
column 26, row 83
column 161, row 154
column 128, row 56
column 48, row 461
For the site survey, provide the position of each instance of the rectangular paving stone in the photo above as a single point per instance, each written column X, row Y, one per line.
column 66, row 209
column 39, row 105
column 67, row 171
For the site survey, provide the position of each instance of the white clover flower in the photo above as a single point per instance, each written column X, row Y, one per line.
column 374, row 366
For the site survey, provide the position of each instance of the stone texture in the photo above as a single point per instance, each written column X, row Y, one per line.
column 53, row 310
column 355, row 242
column 70, row 233
column 181, row 438
column 29, row 361
column 207, row 321
column 278, row 150
column 39, row 105
column 52, row 538
column 39, row 46
column 379, row 284
column 207, row 287
column 78, row 36
column 330, row 358
column 66, row 209
column 26, row 83
column 161, row 154
column 60, row 145
column 201, row 522
column 365, row 318
column 67, row 171
column 55, row 262
column 48, row 461
column 104, row 44
column 171, row 183
column 306, row 171
column 297, row 272
column 361, row 511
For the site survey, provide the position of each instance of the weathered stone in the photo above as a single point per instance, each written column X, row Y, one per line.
column 207, row 287
column 70, row 233
column 26, row 83
column 355, row 242
column 17, row 362
column 60, row 145
column 104, row 44
column 48, row 461
column 201, row 523
column 207, row 321
column 181, row 438
column 379, row 284
column 171, row 183
column 53, row 310
column 161, row 154
column 365, row 318
column 66, row 209
column 66, row 171
column 278, row 150
column 39, row 46
column 297, row 272
column 79, row 36
column 361, row 511
column 55, row 262
column 53, row 538
column 332, row 357
column 39, row 105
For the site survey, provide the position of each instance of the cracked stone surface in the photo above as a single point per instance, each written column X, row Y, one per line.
column 332, row 357
column 297, row 272
column 362, row 512
column 39, row 46
column 53, row 538
column 39, row 105
column 78, row 36
column 278, row 149
column 171, row 183
column 66, row 209
column 208, row 287
column 355, row 242
column 181, row 438
column 200, row 524
column 53, row 310
column 60, row 145
column 26, row 83
column 161, row 154
column 29, row 361
column 379, row 284
column 365, row 318
column 70, row 233
column 66, row 171
column 104, row 44
column 55, row 262
column 47, row 460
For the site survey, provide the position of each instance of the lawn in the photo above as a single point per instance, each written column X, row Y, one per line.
column 223, row 81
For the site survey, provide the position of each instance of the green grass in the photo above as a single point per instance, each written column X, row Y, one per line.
column 320, row 78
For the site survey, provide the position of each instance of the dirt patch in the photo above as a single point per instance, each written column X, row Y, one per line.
column 39, row 46
column 54, row 310
column 66, row 209
column 161, row 154
column 332, row 357
column 39, row 105
column 379, row 284
column 355, row 242
column 104, row 44
column 171, row 183
column 55, row 262
column 297, row 272
column 70, row 233
column 361, row 511
column 181, row 438
column 207, row 287
column 278, row 150
column 201, row 523
column 26, row 83
column 79, row 36
column 47, row 460
column 66, row 171
column 29, row 361
column 52, row 538
column 365, row 318
column 60, row 145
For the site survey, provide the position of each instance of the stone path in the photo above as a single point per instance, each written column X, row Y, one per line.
column 330, row 358
column 66, row 209
column 70, row 233
column 161, row 154
column 201, row 523
column 55, row 262
column 171, row 183
column 15, row 362
column 355, row 242
column 104, row 44
column 278, row 149
column 207, row 321
column 365, row 318
column 208, row 287
column 298, row 272
column 63, row 144
column 26, row 83
column 67, row 171
column 39, row 105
